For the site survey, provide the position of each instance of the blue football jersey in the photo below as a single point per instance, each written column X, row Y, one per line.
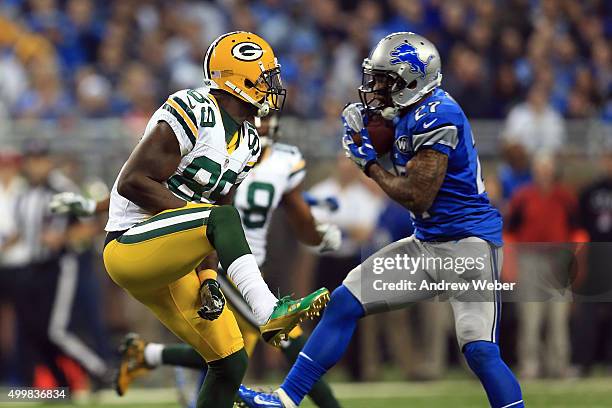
column 461, row 208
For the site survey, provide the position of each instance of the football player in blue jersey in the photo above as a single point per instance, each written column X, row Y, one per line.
column 438, row 178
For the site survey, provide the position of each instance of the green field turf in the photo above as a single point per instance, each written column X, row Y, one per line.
column 591, row 393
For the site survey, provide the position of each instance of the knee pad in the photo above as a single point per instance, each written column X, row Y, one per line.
column 471, row 327
column 344, row 304
column 480, row 354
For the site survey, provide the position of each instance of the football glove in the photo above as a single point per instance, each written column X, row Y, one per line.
column 72, row 203
column 331, row 237
column 364, row 155
column 332, row 203
column 354, row 117
column 354, row 120
column 212, row 299
column 329, row 203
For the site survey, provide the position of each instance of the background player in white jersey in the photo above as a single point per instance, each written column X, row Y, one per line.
column 163, row 221
column 276, row 180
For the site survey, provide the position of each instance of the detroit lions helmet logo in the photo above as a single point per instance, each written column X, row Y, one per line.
column 407, row 53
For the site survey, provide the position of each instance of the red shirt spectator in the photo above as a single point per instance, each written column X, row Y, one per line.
column 543, row 211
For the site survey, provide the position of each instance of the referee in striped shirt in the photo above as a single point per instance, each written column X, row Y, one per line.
column 46, row 287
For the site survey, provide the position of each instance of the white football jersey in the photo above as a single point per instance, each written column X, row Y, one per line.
column 280, row 170
column 216, row 151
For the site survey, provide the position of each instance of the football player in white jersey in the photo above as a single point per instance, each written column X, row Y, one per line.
column 169, row 210
column 276, row 180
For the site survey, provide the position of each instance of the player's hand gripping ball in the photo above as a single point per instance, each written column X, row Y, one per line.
column 380, row 130
column 357, row 143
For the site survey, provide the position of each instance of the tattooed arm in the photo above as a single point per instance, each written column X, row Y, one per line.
column 418, row 188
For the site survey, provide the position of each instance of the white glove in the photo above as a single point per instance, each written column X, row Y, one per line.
column 72, row 203
column 331, row 238
column 352, row 117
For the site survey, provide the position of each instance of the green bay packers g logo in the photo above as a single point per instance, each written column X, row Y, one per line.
column 247, row 51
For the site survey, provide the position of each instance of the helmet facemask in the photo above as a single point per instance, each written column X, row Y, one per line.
column 377, row 89
column 269, row 83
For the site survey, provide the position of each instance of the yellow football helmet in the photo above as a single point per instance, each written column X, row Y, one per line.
column 243, row 64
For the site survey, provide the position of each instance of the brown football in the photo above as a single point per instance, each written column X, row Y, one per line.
column 381, row 133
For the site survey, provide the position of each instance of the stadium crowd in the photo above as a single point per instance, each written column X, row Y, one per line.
column 120, row 58
column 533, row 63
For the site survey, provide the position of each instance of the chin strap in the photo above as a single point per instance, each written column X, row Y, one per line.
column 389, row 112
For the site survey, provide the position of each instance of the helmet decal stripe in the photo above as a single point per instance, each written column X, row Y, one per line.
column 210, row 50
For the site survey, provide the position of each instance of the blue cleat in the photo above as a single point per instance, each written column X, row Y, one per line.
column 257, row 399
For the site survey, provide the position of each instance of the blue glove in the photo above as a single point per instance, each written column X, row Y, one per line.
column 354, row 118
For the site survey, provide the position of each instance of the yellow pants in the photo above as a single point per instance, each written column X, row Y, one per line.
column 155, row 262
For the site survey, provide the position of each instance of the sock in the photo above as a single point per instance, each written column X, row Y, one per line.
column 326, row 345
column 503, row 390
column 245, row 274
column 182, row 355
column 153, row 354
column 222, row 381
column 286, row 401
column 225, row 232
column 320, row 393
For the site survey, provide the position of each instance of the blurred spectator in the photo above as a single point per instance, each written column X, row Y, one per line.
column 138, row 91
column 542, row 212
column 515, row 171
column 507, row 91
column 562, row 45
column 46, row 98
column 13, row 80
column 593, row 314
column 535, row 124
column 93, row 94
column 464, row 78
column 356, row 217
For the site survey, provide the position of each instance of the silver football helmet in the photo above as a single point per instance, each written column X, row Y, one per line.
column 401, row 69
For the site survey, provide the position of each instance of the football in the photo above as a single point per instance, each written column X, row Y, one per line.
column 381, row 133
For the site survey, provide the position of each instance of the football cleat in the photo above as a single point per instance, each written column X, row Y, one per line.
column 258, row 399
column 288, row 313
column 132, row 363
